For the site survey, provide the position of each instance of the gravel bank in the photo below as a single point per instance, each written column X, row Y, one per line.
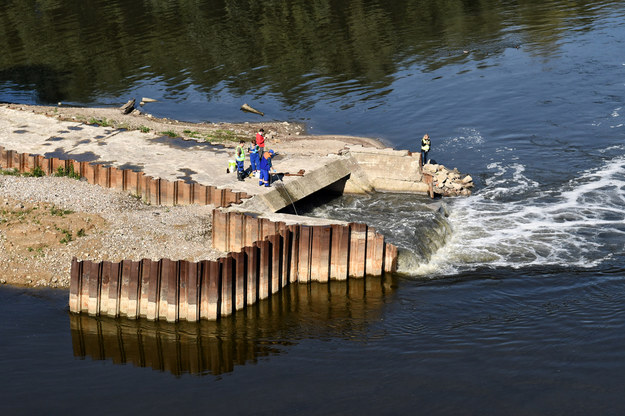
column 44, row 222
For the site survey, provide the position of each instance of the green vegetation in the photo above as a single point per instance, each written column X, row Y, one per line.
column 39, row 250
column 194, row 134
column 60, row 212
column 81, row 233
column 10, row 172
column 224, row 136
column 100, row 122
column 69, row 172
column 219, row 136
column 36, row 172
column 67, row 236
column 169, row 133
column 144, row 129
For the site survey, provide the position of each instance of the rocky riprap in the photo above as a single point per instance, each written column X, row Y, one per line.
column 448, row 182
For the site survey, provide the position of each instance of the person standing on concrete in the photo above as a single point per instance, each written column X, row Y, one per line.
column 260, row 141
column 265, row 167
column 240, row 159
column 425, row 148
column 254, row 156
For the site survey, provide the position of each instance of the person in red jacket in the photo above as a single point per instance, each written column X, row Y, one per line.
column 260, row 141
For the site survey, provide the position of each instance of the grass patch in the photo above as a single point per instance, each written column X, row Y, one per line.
column 36, row 172
column 144, row 129
column 99, row 122
column 169, row 133
column 224, row 136
column 60, row 212
column 193, row 134
column 67, row 236
column 69, row 172
column 10, row 172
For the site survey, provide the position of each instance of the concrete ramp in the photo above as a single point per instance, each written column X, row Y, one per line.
column 296, row 188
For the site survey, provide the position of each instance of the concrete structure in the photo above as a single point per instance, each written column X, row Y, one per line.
column 384, row 170
column 266, row 252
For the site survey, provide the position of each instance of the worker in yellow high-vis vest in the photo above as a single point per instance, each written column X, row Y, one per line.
column 240, row 159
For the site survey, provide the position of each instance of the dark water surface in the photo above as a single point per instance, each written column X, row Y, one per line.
column 510, row 304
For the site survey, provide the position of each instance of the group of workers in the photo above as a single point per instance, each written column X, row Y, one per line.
column 260, row 160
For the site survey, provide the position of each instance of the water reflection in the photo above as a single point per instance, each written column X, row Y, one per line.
column 317, row 311
column 299, row 50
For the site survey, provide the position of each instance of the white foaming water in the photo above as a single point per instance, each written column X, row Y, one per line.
column 467, row 138
column 513, row 222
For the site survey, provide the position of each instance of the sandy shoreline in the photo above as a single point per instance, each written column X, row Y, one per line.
column 44, row 222
column 282, row 134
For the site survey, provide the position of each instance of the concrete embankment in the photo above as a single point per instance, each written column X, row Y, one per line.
column 267, row 251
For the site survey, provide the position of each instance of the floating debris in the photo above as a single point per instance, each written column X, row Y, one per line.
column 249, row 109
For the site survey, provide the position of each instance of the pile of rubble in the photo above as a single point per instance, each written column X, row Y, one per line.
column 448, row 182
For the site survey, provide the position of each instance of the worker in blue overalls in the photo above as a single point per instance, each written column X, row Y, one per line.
column 265, row 167
column 254, row 157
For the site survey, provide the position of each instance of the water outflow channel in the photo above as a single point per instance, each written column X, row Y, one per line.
column 513, row 222
column 414, row 223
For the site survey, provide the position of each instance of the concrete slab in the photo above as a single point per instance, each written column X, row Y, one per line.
column 156, row 155
column 357, row 169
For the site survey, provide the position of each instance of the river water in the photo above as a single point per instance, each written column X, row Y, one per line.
column 510, row 304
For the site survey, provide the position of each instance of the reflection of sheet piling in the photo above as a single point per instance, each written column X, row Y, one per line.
column 210, row 347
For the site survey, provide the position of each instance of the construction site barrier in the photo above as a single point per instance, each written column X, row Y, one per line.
column 151, row 190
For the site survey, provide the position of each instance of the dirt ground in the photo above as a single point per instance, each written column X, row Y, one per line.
column 33, row 231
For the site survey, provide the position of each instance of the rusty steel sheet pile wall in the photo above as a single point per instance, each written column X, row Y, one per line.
column 318, row 253
column 152, row 190
column 182, row 290
column 264, row 255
